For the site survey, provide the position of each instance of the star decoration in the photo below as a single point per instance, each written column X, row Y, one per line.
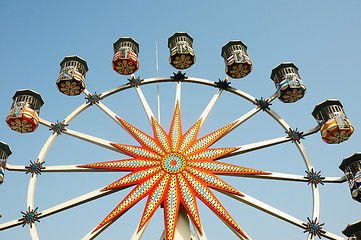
column 173, row 169
column 314, row 227
column 263, row 104
column 29, row 217
column 295, row 135
column 314, row 177
column 93, row 98
column 179, row 76
column 222, row 84
column 34, row 168
column 58, row 127
column 135, row 81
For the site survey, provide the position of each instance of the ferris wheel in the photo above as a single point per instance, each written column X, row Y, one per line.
column 176, row 170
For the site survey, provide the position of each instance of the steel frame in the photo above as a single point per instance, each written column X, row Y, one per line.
column 182, row 228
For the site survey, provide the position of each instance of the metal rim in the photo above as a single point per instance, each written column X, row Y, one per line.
column 251, row 147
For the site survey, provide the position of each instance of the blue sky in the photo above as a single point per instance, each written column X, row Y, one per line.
column 321, row 37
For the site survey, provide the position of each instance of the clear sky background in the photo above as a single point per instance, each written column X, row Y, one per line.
column 321, row 37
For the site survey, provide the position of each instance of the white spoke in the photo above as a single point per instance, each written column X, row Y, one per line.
column 76, row 168
column 285, row 177
column 64, row 206
column 111, row 114
column 249, row 114
column 18, row 168
column 61, row 168
column 256, row 146
column 271, row 175
column 78, row 201
column 178, row 93
column 87, row 138
column 335, row 179
column 211, row 104
column 10, row 224
column 94, row 140
column 242, row 119
column 268, row 143
column 274, row 212
column 145, row 104
column 33, row 233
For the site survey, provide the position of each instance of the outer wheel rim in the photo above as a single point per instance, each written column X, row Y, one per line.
column 159, row 80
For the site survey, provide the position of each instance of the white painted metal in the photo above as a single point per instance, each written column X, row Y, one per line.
column 77, row 201
column 10, row 224
column 329, row 235
column 182, row 230
column 280, row 120
column 256, row 146
column 34, row 233
column 210, row 106
column 31, row 191
column 241, row 120
column 138, row 234
column 178, row 93
column 41, row 156
column 242, row 94
column 274, row 212
column 307, row 160
column 82, row 136
column 98, row 141
column 106, row 144
column 271, row 175
column 115, row 90
column 265, row 208
column 32, row 182
column 19, row 168
column 246, row 116
column 268, row 143
column 111, row 114
column 168, row 79
column 145, row 104
column 315, row 189
column 286, row 177
column 74, row 168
